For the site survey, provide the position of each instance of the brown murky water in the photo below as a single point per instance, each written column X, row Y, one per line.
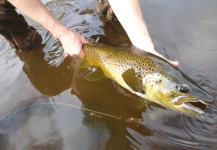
column 45, row 104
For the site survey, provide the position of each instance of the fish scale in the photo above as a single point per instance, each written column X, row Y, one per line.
column 102, row 56
column 112, row 64
column 149, row 77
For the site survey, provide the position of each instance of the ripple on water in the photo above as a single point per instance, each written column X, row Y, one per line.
column 79, row 16
column 10, row 65
column 183, row 36
column 187, row 132
column 49, row 124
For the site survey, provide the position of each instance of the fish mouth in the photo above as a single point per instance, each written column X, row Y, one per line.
column 186, row 104
column 190, row 106
column 185, row 99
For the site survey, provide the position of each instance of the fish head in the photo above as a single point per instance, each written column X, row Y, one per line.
column 172, row 93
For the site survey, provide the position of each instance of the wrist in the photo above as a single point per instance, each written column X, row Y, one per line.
column 59, row 30
column 142, row 40
column 139, row 35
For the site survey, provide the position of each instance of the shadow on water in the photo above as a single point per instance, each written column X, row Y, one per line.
column 45, row 104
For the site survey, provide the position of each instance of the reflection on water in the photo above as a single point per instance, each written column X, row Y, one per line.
column 45, row 104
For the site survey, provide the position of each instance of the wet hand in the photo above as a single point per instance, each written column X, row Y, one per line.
column 148, row 46
column 174, row 63
column 72, row 43
column 131, row 17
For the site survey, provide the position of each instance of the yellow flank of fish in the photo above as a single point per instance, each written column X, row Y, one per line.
column 146, row 77
column 114, row 62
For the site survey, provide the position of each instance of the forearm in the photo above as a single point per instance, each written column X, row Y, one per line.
column 36, row 10
column 71, row 41
column 131, row 18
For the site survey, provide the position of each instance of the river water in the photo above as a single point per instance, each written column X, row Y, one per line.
column 47, row 105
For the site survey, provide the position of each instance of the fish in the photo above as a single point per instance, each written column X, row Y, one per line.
column 149, row 77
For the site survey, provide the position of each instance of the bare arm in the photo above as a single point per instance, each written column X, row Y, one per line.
column 131, row 18
column 35, row 9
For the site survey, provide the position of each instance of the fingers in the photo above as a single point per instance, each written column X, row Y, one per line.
column 81, row 54
column 137, row 52
column 83, row 39
column 174, row 63
column 72, row 44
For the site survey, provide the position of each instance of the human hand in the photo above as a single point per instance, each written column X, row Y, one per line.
column 131, row 17
column 174, row 63
column 138, row 52
column 72, row 43
column 147, row 45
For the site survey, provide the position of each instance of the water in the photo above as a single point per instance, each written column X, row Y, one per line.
column 45, row 104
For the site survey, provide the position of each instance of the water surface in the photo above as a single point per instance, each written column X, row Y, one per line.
column 45, row 104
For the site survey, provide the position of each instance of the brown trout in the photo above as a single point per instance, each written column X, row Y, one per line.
column 149, row 77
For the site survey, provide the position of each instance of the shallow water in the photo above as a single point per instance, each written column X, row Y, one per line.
column 45, row 104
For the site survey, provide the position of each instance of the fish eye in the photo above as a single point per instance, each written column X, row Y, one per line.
column 183, row 88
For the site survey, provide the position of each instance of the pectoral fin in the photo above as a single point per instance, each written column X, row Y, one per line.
column 80, row 63
column 129, row 77
column 93, row 74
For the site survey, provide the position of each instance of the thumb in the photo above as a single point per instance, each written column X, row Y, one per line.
column 81, row 54
column 174, row 63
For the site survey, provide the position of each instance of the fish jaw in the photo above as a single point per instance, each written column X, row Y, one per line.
column 191, row 105
column 174, row 95
column 190, row 110
column 186, row 107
